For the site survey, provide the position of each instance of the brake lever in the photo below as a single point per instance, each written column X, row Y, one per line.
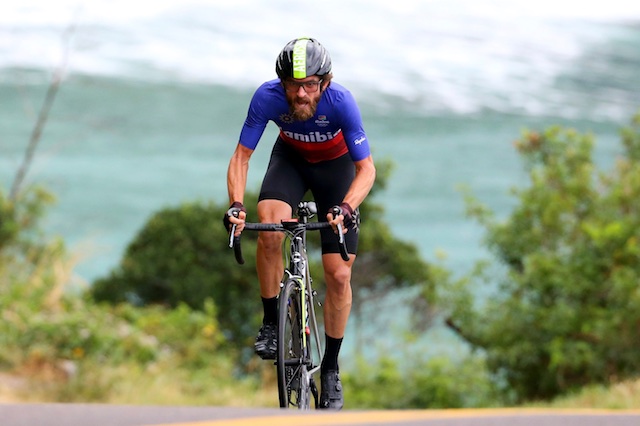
column 340, row 233
column 343, row 249
column 232, row 234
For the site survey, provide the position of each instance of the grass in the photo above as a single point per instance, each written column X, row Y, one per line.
column 133, row 385
column 623, row 395
column 163, row 385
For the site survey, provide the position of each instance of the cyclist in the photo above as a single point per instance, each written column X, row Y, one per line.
column 321, row 147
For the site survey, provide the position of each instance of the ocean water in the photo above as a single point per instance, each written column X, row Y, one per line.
column 154, row 95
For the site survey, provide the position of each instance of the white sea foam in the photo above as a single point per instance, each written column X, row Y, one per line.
column 460, row 55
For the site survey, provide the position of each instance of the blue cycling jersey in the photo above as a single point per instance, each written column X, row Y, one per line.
column 335, row 129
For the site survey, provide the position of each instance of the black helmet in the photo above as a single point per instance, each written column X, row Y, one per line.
column 301, row 58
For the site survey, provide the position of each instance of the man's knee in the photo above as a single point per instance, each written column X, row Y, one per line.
column 339, row 283
column 270, row 242
column 341, row 276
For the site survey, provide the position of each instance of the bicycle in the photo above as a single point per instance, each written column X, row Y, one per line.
column 299, row 351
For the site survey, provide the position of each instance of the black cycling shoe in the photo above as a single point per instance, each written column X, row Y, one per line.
column 266, row 342
column 331, row 393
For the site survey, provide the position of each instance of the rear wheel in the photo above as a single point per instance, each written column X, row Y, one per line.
column 293, row 379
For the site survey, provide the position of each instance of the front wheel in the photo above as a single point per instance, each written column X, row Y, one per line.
column 293, row 379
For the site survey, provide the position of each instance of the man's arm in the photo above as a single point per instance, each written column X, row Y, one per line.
column 362, row 183
column 237, row 173
column 237, row 183
column 358, row 191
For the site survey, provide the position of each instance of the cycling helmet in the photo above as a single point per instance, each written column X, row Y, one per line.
column 301, row 58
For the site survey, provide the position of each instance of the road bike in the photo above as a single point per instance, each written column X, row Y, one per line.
column 299, row 350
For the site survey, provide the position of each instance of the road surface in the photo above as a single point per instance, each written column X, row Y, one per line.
column 119, row 415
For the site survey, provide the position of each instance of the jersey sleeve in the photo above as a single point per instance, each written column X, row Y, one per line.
column 352, row 128
column 256, row 120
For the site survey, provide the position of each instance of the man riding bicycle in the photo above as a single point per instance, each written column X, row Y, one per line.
column 321, row 147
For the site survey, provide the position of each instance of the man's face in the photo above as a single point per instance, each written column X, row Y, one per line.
column 303, row 96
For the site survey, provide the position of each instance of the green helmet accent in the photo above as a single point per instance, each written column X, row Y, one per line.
column 301, row 58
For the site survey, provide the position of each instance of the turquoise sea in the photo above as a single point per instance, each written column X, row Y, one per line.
column 154, row 96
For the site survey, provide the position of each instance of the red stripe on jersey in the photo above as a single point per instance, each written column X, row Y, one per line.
column 314, row 152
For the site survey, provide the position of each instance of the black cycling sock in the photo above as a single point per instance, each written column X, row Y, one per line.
column 331, row 351
column 270, row 307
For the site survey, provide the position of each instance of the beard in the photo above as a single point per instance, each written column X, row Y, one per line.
column 302, row 109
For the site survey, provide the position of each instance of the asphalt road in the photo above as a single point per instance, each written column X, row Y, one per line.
column 119, row 415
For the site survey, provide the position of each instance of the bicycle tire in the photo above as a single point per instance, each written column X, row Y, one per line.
column 293, row 387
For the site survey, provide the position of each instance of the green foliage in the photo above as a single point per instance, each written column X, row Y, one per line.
column 623, row 395
column 70, row 349
column 21, row 247
column 68, row 329
column 567, row 311
column 436, row 383
column 42, row 323
column 181, row 255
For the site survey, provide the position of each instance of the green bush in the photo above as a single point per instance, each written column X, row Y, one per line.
column 566, row 312
column 71, row 348
column 181, row 255
column 23, row 246
column 439, row 382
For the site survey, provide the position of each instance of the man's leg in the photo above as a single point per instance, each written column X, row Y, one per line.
column 269, row 256
column 337, row 307
column 269, row 267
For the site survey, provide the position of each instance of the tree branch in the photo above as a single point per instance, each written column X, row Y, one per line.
column 36, row 133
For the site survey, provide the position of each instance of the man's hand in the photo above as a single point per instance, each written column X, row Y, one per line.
column 342, row 214
column 236, row 215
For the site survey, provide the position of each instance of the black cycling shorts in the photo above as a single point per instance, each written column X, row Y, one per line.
column 289, row 177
